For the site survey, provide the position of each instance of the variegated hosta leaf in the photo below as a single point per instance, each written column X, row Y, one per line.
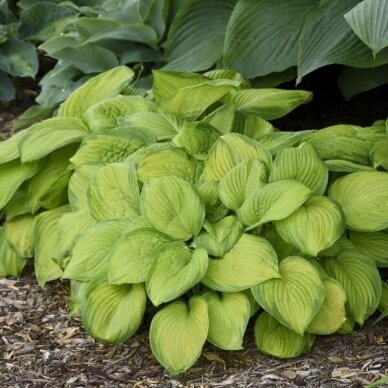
column 112, row 313
column 363, row 197
column 252, row 125
column 315, row 226
column 49, row 135
column 196, row 138
column 90, row 254
column 229, row 314
column 221, row 237
column 112, row 146
column 133, row 254
column 231, row 149
column 172, row 206
column 302, row 164
column 114, row 192
column 101, row 87
column 272, row 202
column 296, row 297
column 105, row 114
column 46, row 236
column 228, row 274
column 332, row 314
column 359, row 277
column 279, row 341
column 9, row 148
column 373, row 245
column 174, row 270
column 20, row 234
column 178, row 332
column 241, row 181
column 379, row 154
column 173, row 161
column 222, row 118
column 270, row 104
column 215, row 210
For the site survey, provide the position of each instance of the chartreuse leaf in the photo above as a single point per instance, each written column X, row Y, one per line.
column 227, row 274
column 288, row 162
column 222, row 118
column 168, row 162
column 342, row 244
column 112, row 313
column 138, row 156
column 222, row 236
column 252, row 125
column 272, row 202
column 231, row 149
column 20, row 234
column 9, row 148
column 215, row 210
column 254, row 306
column 241, row 181
column 282, row 248
column 114, row 192
column 383, row 304
column 49, row 135
column 227, row 74
column 332, row 315
column 296, row 297
column 133, row 254
column 178, row 332
column 373, row 245
column 101, row 87
column 347, row 327
column 228, row 318
column 89, row 257
column 315, row 226
column 277, row 340
column 363, row 197
column 378, row 154
column 172, row 206
column 174, row 270
column 339, row 165
column 18, row 206
column 46, row 236
column 359, row 277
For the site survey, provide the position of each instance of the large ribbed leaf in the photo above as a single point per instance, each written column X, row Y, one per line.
column 379, row 154
column 222, row 118
column 178, row 332
column 373, row 245
column 9, row 148
column 296, row 297
column 315, row 226
column 272, row 202
column 20, row 234
column 282, row 248
column 252, row 125
column 229, row 314
column 215, row 210
column 174, row 270
column 228, row 274
column 383, row 305
column 359, row 277
column 302, row 164
column 363, row 197
column 172, row 206
column 279, row 341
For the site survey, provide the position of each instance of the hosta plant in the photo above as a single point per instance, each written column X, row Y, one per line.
column 189, row 200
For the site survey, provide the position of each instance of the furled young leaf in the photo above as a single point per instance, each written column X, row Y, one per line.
column 363, row 197
column 172, row 206
column 227, row 274
column 229, row 314
column 20, row 234
column 379, row 154
column 315, row 226
column 373, row 245
column 9, row 148
column 178, row 332
column 279, row 341
column 296, row 297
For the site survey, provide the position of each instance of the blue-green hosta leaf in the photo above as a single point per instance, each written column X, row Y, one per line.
column 373, row 245
column 89, row 257
column 277, row 340
column 288, row 165
column 270, row 104
column 8, row 90
column 178, row 332
column 9, row 148
column 231, row 149
column 174, row 270
column 49, row 135
column 46, row 237
column 168, row 162
column 172, row 206
column 241, row 181
column 222, row 118
column 229, row 314
column 112, row 313
column 359, row 277
column 315, row 226
column 363, row 197
column 272, row 202
column 215, row 210
column 114, row 192
column 378, row 154
column 368, row 21
column 332, row 315
column 106, row 85
column 296, row 297
column 154, row 14
column 339, row 165
column 20, row 234
column 221, row 237
column 227, row 274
